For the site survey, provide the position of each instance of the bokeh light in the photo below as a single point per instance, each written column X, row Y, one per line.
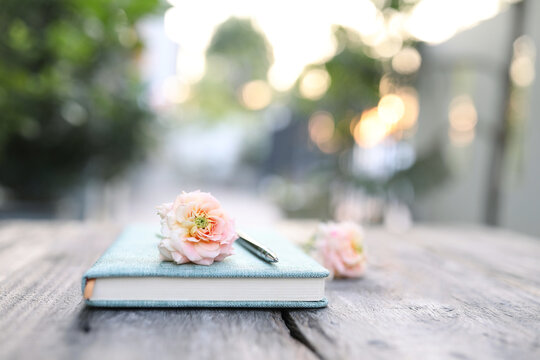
column 256, row 95
column 522, row 72
column 321, row 130
column 175, row 91
column 409, row 96
column 314, row 84
column 386, row 85
column 73, row 113
column 463, row 119
column 190, row 67
column 462, row 113
column 370, row 130
column 391, row 109
column 435, row 21
column 190, row 25
column 388, row 46
column 407, row 61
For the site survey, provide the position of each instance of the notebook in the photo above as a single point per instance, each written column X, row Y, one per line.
column 131, row 274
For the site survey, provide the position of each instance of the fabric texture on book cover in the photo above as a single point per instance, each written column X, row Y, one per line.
column 135, row 254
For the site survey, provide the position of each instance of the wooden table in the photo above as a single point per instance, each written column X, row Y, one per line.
column 434, row 292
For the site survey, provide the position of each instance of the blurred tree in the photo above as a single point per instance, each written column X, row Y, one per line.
column 238, row 53
column 246, row 48
column 69, row 92
column 354, row 87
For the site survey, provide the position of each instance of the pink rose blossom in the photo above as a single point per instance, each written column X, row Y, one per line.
column 195, row 229
column 338, row 246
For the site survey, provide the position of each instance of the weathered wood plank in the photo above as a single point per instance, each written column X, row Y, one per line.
column 435, row 293
column 42, row 314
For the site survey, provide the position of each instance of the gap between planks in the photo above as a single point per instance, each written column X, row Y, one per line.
column 297, row 334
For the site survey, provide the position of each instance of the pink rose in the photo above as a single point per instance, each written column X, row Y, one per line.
column 338, row 246
column 195, row 229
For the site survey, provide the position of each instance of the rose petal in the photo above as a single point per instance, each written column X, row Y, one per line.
column 189, row 251
column 179, row 258
column 207, row 252
column 164, row 252
column 205, row 261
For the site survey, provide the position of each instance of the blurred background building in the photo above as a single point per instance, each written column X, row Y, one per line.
column 382, row 112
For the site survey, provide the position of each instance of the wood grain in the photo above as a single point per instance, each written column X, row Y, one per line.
column 465, row 293
column 434, row 292
column 42, row 314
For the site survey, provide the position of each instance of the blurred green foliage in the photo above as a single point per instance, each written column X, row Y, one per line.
column 238, row 53
column 70, row 96
column 354, row 85
column 355, row 80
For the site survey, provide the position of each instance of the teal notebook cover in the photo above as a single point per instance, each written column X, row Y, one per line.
column 135, row 254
